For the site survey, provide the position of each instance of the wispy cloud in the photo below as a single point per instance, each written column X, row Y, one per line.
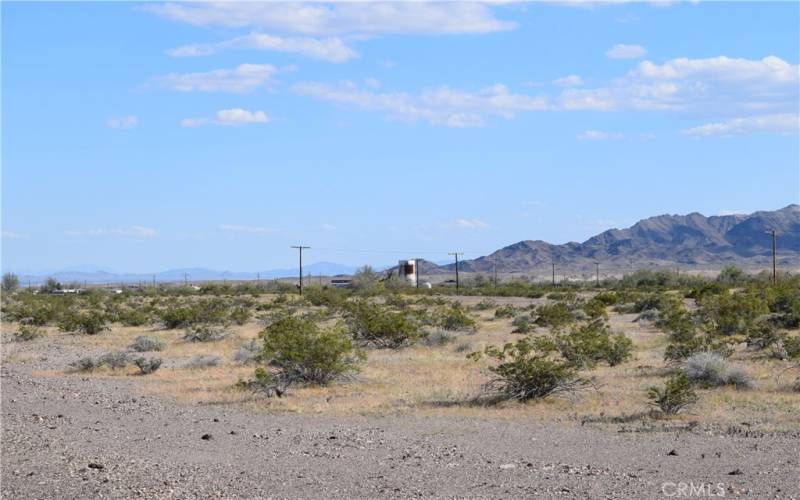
column 133, row 231
column 12, row 235
column 365, row 18
column 440, row 106
column 228, row 117
column 471, row 224
column 599, row 135
column 243, row 78
column 569, row 81
column 122, row 122
column 328, row 49
column 234, row 228
column 782, row 123
column 328, row 227
column 623, row 51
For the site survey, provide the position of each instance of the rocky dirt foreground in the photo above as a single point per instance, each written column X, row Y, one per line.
column 68, row 437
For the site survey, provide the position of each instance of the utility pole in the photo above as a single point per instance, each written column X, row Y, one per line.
column 456, row 254
column 597, row 273
column 416, row 272
column 494, row 270
column 554, row 274
column 300, row 248
column 774, row 256
column 185, row 279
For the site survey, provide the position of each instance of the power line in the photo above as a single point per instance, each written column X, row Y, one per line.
column 456, row 254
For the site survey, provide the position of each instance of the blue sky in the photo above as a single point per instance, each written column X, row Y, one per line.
column 142, row 137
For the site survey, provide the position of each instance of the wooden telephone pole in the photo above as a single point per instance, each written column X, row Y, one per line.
column 300, row 248
column 597, row 274
column 774, row 256
column 456, row 254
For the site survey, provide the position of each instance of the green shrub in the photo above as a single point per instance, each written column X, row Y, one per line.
column 87, row 322
column 85, row 364
column 485, row 305
column 147, row 366
column 240, row 314
column 523, row 371
column 437, row 338
column 507, row 311
column 133, row 317
column 203, row 361
column 792, row 347
column 114, row 360
column 454, row 317
column 607, row 298
column 585, row 345
column 377, row 326
column 554, row 315
column 595, row 309
column 303, row 353
column 676, row 395
column 248, row 352
column 26, row 333
column 710, row 370
column 523, row 324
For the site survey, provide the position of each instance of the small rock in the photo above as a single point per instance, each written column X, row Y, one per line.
column 508, row 466
column 206, row 437
column 673, row 453
column 736, row 472
column 97, row 466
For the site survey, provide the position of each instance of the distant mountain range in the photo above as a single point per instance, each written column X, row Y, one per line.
column 689, row 241
column 692, row 240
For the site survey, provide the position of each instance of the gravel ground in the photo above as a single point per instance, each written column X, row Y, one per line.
column 72, row 437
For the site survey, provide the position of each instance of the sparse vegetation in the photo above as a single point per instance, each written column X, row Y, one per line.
column 203, row 361
column 143, row 343
column 204, row 333
column 147, row 366
column 710, row 369
column 676, row 395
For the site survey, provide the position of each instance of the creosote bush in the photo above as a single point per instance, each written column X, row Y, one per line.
column 523, row 324
column 378, row 326
column 676, row 395
column 554, row 315
column 524, row 371
column 585, row 345
column 87, row 322
column 438, row 337
column 114, row 360
column 507, row 311
column 143, row 343
column 26, row 333
column 248, row 352
column 302, row 353
column 453, row 317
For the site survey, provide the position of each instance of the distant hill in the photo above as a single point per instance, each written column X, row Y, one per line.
column 692, row 240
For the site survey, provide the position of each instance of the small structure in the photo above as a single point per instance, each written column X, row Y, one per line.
column 341, row 282
column 407, row 269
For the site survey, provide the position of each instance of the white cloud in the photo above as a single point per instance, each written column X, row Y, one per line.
column 440, row 106
column 328, row 227
column 328, row 49
column 569, row 81
column 716, row 86
column 234, row 228
column 133, row 231
column 599, row 135
column 471, row 224
column 122, row 122
column 228, row 117
column 242, row 78
column 366, row 18
column 622, row 51
column 782, row 123
column 11, row 235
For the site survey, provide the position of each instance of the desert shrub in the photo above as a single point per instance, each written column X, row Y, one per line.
column 328, row 297
column 248, row 352
column 554, row 315
column 114, row 360
column 240, row 314
column 564, row 296
column 507, row 311
column 676, row 395
column 87, row 322
column 85, row 364
column 524, row 371
column 463, row 347
column 377, row 326
column 203, row 361
column 681, row 329
column 649, row 316
column 485, row 305
column 210, row 311
column 585, row 345
column 728, row 314
column 607, row 298
column 133, row 317
column 204, row 333
column 143, row 343
column 710, row 369
column 365, row 280
column 10, row 283
column 784, row 302
column 764, row 333
column 595, row 309
column 523, row 324
column 437, row 337
column 304, row 353
column 26, row 333
column 453, row 317
column 147, row 366
column 791, row 346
